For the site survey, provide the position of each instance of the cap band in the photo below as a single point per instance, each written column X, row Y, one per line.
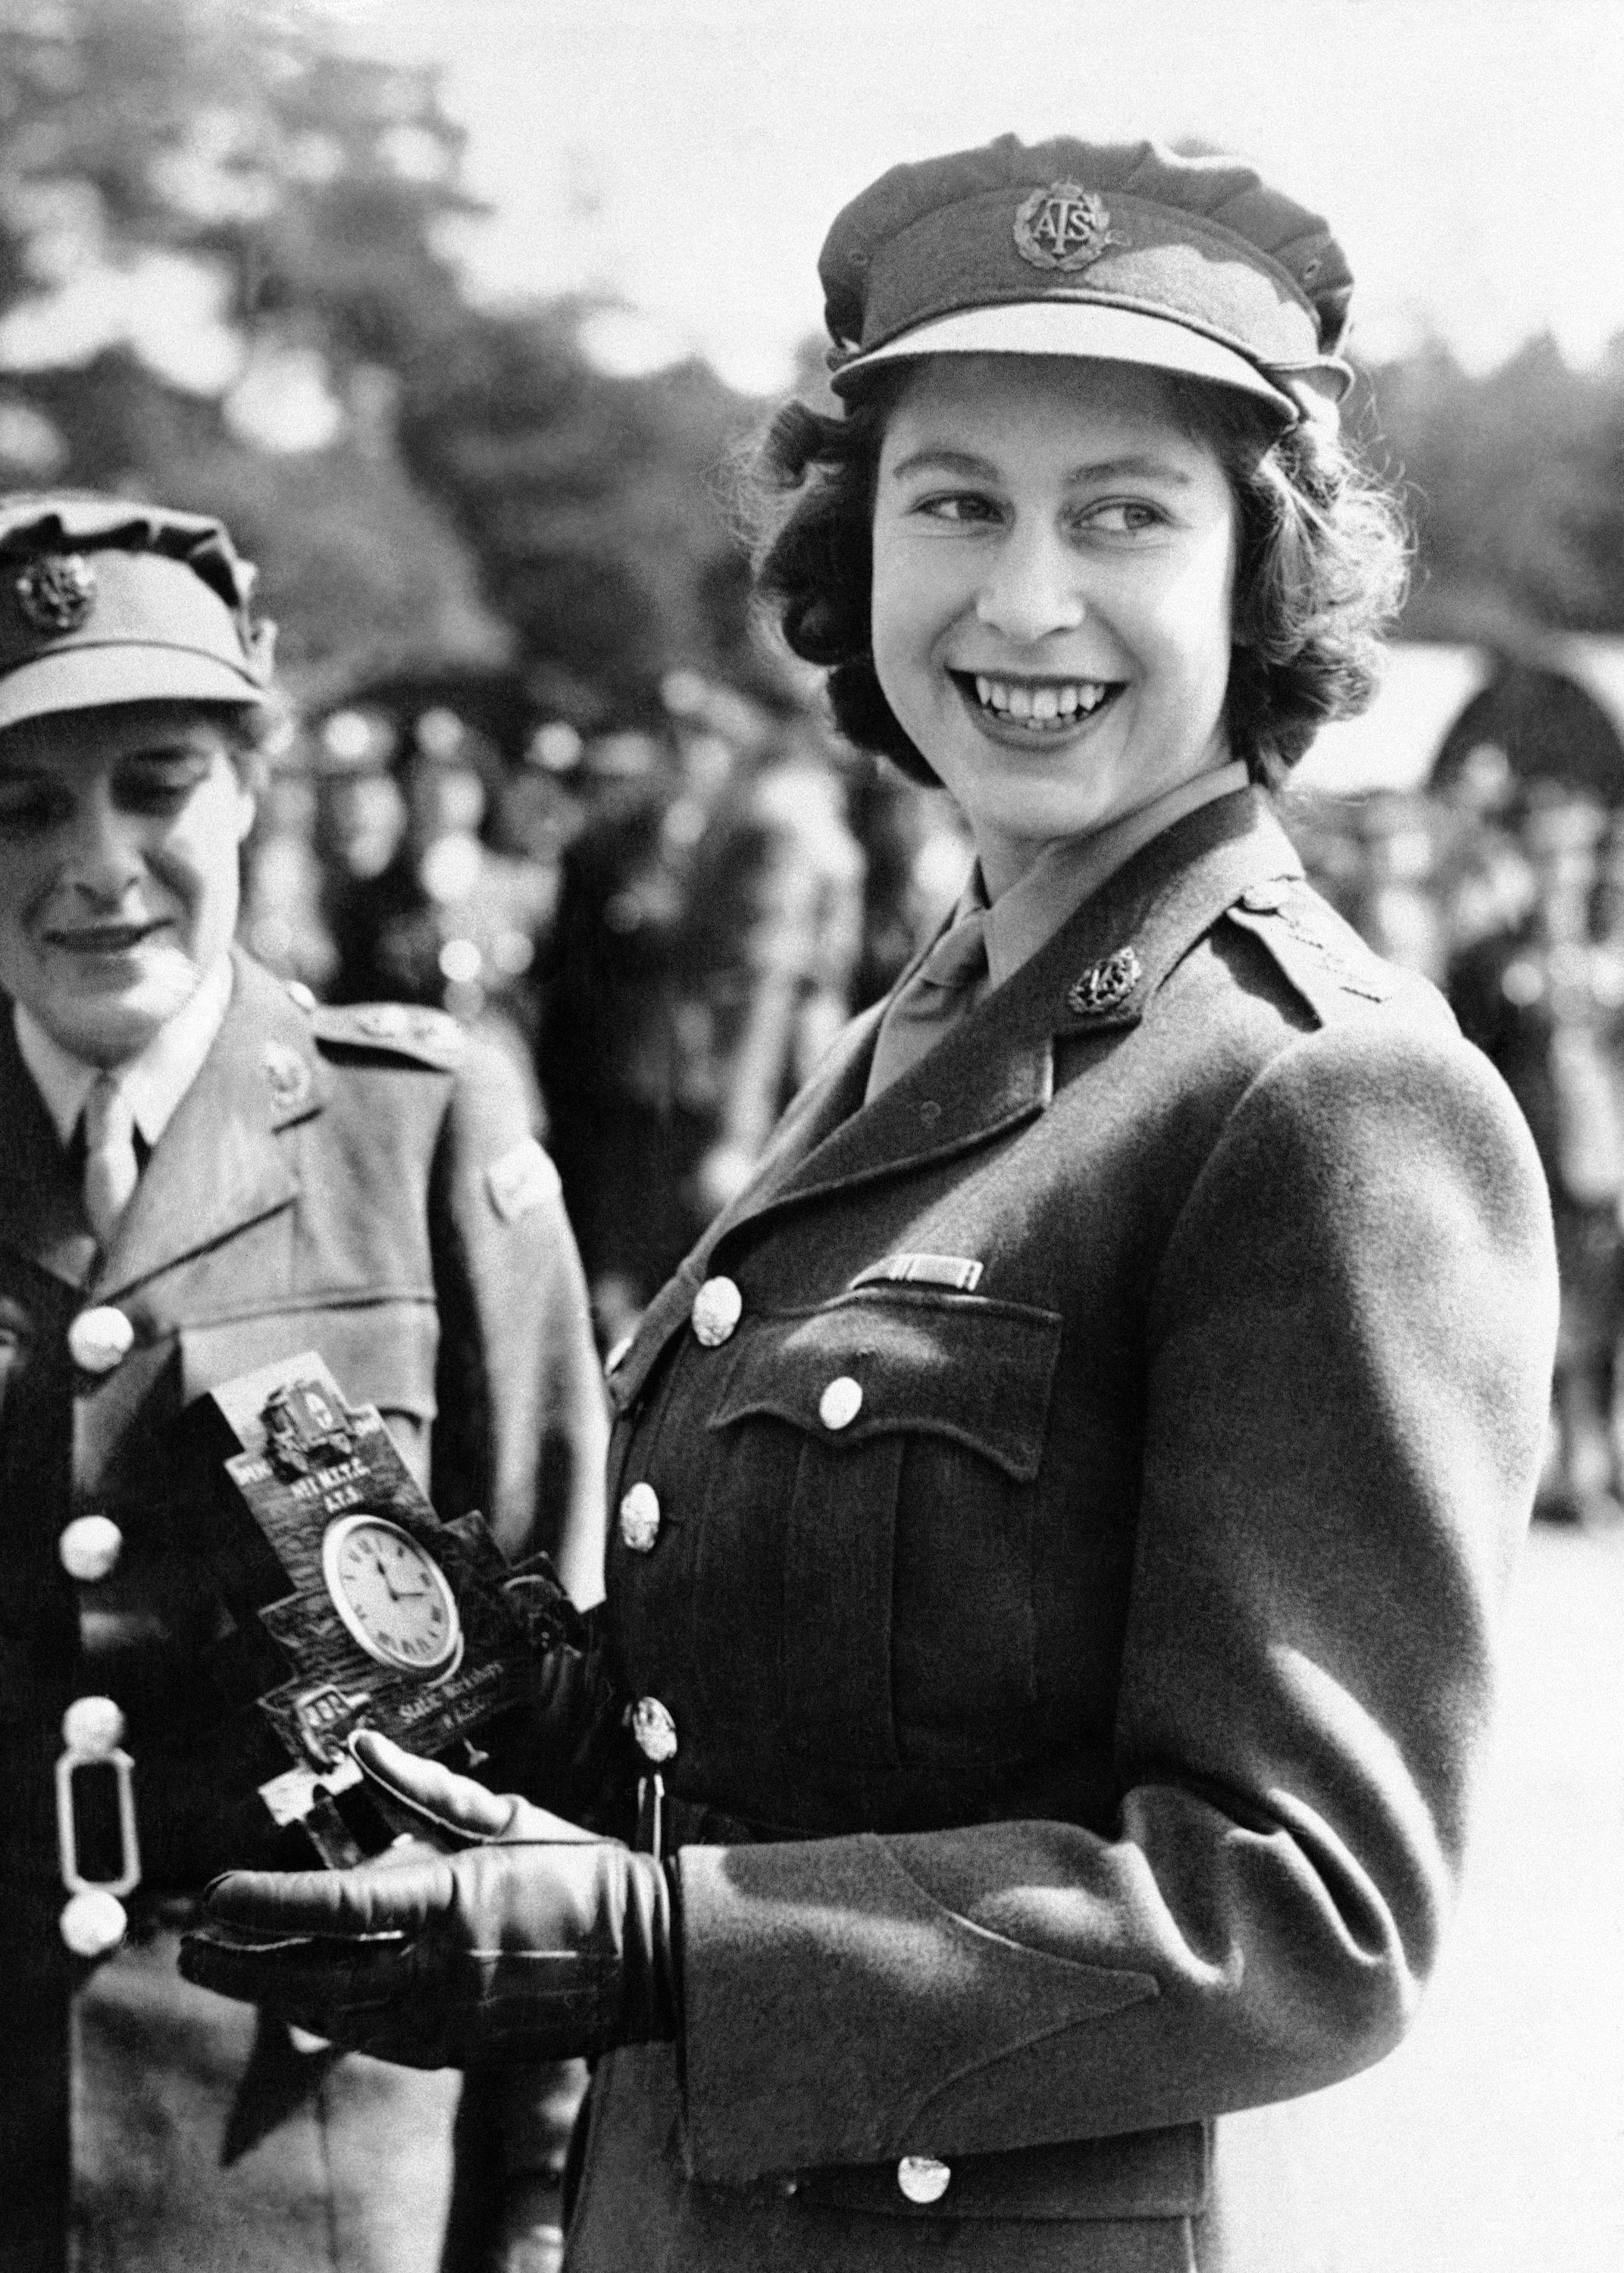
column 1078, row 327
column 82, row 627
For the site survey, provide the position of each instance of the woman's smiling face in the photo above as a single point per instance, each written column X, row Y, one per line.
column 1053, row 584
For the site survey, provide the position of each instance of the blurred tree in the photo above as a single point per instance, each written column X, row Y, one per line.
column 1515, row 479
column 597, row 505
column 219, row 239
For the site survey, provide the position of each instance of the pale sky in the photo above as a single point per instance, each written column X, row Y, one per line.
column 687, row 159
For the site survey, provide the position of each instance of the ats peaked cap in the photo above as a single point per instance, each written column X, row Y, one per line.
column 1118, row 251
column 106, row 600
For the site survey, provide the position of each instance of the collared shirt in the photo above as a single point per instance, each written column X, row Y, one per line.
column 154, row 1082
column 1072, row 869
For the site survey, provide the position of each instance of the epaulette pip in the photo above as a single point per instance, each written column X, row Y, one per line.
column 1322, row 957
column 429, row 1037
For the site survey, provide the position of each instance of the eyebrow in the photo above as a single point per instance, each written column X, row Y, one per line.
column 1131, row 464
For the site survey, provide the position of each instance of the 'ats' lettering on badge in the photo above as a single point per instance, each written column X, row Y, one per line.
column 1063, row 226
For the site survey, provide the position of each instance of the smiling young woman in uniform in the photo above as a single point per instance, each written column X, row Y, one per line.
column 1065, row 1502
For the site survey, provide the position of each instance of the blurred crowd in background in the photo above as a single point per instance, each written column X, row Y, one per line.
column 539, row 771
column 667, row 923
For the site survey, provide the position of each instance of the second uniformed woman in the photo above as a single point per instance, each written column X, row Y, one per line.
column 1065, row 1502
column 201, row 1174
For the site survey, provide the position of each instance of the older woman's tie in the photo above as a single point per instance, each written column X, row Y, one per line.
column 947, row 983
column 110, row 1166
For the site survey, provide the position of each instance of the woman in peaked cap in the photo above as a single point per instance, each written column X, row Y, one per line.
column 1064, row 1502
column 205, row 1173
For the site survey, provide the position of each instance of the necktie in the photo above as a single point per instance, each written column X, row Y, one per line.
column 110, row 1167
column 939, row 992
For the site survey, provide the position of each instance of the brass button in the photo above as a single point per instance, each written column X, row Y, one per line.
column 922, row 2179
column 90, row 1547
column 717, row 1309
column 100, row 1339
column 840, row 1402
column 92, row 1922
column 92, row 1726
column 653, row 1729
column 640, row 1517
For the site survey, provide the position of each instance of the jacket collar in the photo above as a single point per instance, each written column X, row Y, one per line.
column 219, row 1165
column 40, row 1216
column 996, row 1067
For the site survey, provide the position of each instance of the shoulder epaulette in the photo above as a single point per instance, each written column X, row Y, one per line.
column 429, row 1037
column 1323, row 958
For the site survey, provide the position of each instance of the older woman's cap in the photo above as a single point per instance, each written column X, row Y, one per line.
column 1121, row 251
column 106, row 600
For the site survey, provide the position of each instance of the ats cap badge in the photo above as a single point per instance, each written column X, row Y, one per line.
column 1063, row 226
column 57, row 591
column 1105, row 987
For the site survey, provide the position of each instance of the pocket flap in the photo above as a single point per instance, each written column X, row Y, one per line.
column 925, row 1358
column 379, row 1352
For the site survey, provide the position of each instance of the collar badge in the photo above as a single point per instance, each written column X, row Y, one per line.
column 1063, row 226
column 287, row 1076
column 56, row 591
column 1105, row 987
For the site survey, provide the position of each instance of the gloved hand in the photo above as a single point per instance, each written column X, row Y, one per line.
column 565, row 1742
column 536, row 1941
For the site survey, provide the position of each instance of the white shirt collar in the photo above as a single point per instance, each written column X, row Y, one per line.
column 154, row 1082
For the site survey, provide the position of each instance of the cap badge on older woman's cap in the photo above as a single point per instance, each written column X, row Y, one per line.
column 57, row 591
column 1063, row 226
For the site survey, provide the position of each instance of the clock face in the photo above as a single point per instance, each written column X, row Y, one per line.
column 392, row 1594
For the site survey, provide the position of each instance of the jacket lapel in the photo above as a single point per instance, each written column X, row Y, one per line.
column 219, row 1164
column 995, row 1068
column 41, row 1213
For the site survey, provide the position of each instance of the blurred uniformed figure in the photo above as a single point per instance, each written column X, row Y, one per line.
column 1545, row 999
column 448, row 922
column 283, row 921
column 205, row 1174
column 709, row 927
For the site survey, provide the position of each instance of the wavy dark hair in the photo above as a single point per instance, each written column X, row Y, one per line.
column 1322, row 563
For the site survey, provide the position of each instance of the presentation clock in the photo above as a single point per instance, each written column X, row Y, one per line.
column 393, row 1598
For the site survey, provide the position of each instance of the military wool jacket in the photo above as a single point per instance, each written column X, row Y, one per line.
column 1067, row 1552
column 362, row 1182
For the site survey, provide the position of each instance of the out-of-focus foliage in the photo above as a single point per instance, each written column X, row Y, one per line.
column 224, row 148
column 1516, row 483
column 596, row 505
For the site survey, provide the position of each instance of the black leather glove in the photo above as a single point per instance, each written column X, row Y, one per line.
column 566, row 1745
column 534, row 1941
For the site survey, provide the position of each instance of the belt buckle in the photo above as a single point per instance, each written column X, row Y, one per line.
column 93, row 1920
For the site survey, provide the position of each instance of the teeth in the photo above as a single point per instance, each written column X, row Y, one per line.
column 1042, row 705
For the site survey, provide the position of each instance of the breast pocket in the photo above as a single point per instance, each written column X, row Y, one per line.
column 889, row 1443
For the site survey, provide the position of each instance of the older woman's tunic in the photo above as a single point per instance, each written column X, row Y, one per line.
column 1072, row 1579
